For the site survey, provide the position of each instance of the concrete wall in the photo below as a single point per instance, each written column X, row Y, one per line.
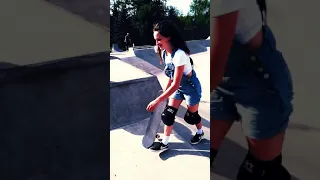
column 54, row 122
column 129, row 100
column 132, row 87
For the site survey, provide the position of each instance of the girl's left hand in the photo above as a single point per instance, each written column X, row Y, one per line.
column 153, row 105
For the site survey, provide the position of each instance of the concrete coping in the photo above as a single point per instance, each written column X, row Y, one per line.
column 124, row 73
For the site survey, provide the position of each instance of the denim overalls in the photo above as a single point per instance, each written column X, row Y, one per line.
column 190, row 87
column 257, row 89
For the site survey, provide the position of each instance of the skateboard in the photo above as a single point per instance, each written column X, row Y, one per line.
column 151, row 133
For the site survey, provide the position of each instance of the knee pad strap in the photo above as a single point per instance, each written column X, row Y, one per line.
column 192, row 118
column 168, row 115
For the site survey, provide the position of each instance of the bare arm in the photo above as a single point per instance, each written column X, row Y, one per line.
column 223, row 30
column 168, row 84
column 173, row 85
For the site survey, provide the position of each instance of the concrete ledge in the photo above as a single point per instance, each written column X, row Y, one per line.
column 13, row 72
column 131, row 90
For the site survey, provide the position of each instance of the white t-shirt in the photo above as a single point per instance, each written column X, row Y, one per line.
column 249, row 19
column 180, row 58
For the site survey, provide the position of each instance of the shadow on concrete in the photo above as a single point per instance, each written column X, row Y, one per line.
column 183, row 130
column 176, row 150
column 229, row 160
column 149, row 56
column 204, row 101
column 6, row 65
column 302, row 127
column 184, row 134
column 113, row 58
column 198, row 46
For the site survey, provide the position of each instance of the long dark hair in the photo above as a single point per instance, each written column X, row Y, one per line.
column 169, row 29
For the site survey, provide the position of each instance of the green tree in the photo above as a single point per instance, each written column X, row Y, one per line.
column 138, row 17
column 200, row 10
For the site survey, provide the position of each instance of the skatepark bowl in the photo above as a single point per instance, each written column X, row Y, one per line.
column 53, row 90
column 135, row 79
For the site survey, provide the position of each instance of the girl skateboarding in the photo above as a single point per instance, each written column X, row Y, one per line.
column 183, row 83
column 250, row 82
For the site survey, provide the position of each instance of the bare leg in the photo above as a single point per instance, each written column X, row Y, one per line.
column 266, row 149
column 218, row 130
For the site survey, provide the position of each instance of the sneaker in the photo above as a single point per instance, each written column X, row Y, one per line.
column 159, row 146
column 197, row 138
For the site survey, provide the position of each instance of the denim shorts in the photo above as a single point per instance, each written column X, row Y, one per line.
column 189, row 90
column 256, row 90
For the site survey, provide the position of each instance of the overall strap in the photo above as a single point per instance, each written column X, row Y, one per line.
column 263, row 9
column 164, row 54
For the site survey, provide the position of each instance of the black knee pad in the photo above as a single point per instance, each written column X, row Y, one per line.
column 192, row 118
column 168, row 115
column 254, row 169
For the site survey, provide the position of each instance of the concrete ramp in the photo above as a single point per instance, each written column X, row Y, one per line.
column 115, row 48
column 205, row 43
column 196, row 46
column 149, row 55
column 131, row 90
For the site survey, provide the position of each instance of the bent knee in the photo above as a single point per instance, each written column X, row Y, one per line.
column 266, row 149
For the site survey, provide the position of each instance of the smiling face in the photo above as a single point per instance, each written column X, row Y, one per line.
column 161, row 41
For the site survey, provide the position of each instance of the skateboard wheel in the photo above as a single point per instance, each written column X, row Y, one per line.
column 157, row 136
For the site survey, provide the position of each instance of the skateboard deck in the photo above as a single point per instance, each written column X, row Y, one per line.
column 153, row 125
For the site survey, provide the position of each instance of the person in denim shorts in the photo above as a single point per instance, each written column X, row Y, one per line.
column 251, row 83
column 183, row 83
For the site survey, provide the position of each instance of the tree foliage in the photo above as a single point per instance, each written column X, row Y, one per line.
column 138, row 17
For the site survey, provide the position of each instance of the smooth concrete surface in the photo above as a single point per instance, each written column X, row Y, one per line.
column 94, row 11
column 121, row 71
column 130, row 160
column 54, row 123
column 36, row 31
column 295, row 26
